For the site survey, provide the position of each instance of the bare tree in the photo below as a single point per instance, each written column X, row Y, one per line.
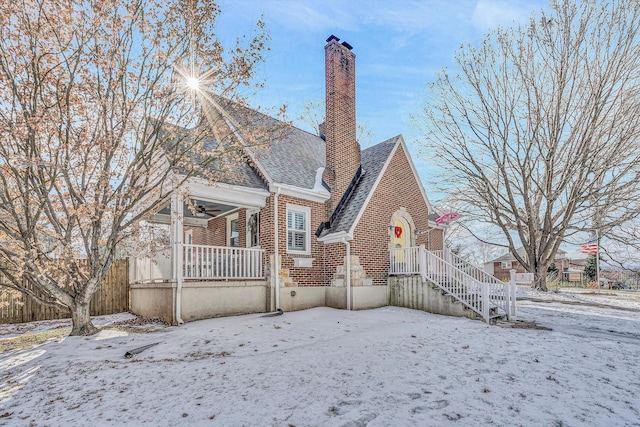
column 537, row 127
column 313, row 115
column 91, row 96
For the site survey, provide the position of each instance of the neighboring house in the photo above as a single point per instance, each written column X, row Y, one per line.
column 501, row 267
column 296, row 226
column 573, row 270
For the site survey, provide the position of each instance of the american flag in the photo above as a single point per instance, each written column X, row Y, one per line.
column 590, row 246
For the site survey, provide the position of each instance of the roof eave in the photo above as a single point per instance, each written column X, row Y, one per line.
column 311, row 195
column 337, row 237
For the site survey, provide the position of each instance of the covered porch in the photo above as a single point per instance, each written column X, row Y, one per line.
column 201, row 262
column 210, row 263
column 213, row 234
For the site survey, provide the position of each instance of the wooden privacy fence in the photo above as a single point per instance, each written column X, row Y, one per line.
column 111, row 297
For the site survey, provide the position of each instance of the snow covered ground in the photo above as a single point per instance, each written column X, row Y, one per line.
column 385, row 367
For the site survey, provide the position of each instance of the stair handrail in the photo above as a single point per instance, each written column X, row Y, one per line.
column 455, row 282
column 478, row 273
column 496, row 293
column 508, row 293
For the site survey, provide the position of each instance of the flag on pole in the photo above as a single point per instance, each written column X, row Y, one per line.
column 447, row 218
column 590, row 246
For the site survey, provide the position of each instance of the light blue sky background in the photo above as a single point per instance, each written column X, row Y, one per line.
column 399, row 47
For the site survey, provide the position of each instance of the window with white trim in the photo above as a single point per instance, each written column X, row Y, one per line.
column 253, row 229
column 233, row 236
column 506, row 265
column 188, row 240
column 298, row 229
column 188, row 237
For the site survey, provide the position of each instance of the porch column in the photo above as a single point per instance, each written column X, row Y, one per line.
column 176, row 238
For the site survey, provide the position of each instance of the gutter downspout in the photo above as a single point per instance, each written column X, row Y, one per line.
column 348, row 247
column 276, row 262
column 177, row 209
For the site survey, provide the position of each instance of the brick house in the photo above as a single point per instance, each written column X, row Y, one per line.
column 568, row 270
column 308, row 222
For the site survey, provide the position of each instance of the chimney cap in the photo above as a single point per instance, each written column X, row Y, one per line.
column 347, row 45
column 332, row 37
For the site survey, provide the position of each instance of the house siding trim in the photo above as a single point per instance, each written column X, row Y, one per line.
column 301, row 193
column 236, row 195
column 338, row 237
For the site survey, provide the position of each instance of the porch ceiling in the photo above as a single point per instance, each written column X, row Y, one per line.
column 209, row 210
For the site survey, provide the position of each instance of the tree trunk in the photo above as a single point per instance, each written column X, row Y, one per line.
column 540, row 278
column 81, row 320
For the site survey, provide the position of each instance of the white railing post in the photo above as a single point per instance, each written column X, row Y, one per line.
column 512, row 303
column 422, row 259
column 485, row 301
column 507, row 299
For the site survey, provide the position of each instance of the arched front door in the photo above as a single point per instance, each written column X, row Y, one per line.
column 401, row 233
column 400, row 241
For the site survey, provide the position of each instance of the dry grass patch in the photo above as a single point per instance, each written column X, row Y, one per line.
column 33, row 339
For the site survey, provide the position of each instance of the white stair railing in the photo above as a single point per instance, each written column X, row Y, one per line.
column 464, row 265
column 499, row 295
column 221, row 262
column 457, row 283
column 470, row 285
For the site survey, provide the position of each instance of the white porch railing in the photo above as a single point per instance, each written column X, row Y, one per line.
column 404, row 261
column 221, row 262
column 150, row 268
column 470, row 285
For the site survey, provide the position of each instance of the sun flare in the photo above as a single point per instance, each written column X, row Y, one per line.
column 193, row 83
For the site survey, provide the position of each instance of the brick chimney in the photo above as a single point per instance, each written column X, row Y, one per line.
column 343, row 151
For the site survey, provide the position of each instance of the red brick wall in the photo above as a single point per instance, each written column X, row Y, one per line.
column 298, row 276
column 505, row 273
column 372, row 236
column 343, row 151
column 437, row 238
column 215, row 234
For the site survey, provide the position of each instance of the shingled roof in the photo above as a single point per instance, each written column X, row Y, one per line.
column 229, row 167
column 294, row 160
column 292, row 156
column 373, row 161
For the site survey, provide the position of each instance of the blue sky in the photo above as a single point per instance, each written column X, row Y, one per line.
column 399, row 47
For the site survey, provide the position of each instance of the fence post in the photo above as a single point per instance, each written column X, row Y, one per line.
column 422, row 259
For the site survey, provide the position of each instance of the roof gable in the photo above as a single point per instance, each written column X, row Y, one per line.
column 290, row 156
column 375, row 160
